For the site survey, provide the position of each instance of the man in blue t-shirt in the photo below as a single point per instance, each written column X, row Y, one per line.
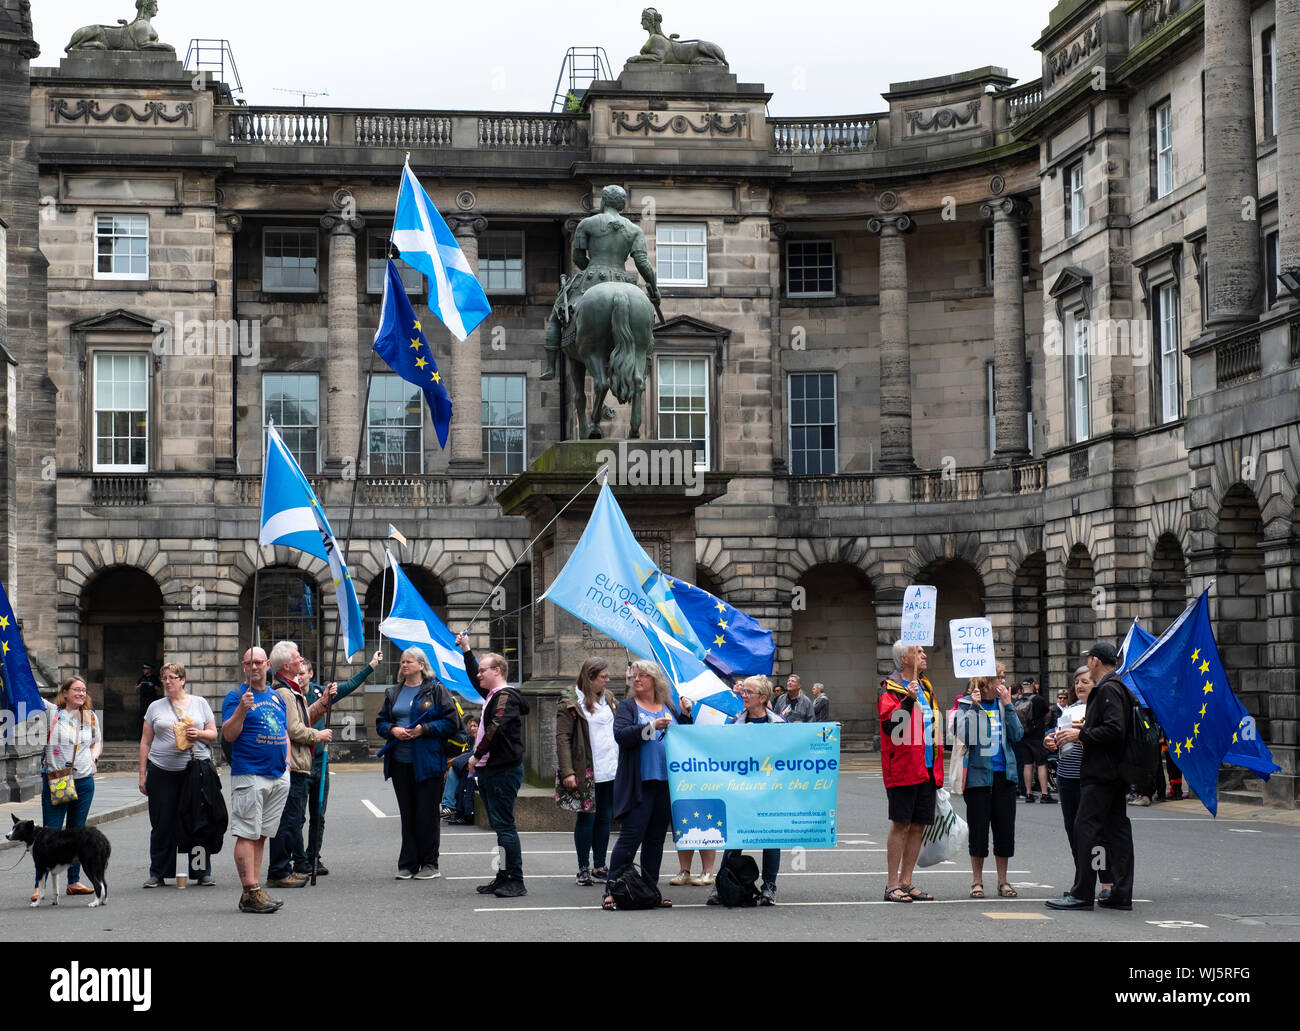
column 255, row 723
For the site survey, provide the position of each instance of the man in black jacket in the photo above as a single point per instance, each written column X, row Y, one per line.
column 1102, row 815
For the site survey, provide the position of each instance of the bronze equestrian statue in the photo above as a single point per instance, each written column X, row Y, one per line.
column 601, row 320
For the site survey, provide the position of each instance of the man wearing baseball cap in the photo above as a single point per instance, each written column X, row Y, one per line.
column 1102, row 816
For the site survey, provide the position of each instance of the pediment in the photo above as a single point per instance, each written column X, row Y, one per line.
column 119, row 320
column 1071, row 278
column 689, row 326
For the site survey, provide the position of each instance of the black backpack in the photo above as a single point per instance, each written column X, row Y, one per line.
column 1139, row 763
column 630, row 890
column 737, row 881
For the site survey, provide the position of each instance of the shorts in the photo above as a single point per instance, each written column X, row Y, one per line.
column 256, row 804
column 1035, row 752
column 913, row 803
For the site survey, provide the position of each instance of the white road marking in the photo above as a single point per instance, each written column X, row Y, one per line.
column 1173, row 925
column 1243, row 830
column 779, row 905
column 376, row 811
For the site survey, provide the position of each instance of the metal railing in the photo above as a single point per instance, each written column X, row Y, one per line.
column 848, row 134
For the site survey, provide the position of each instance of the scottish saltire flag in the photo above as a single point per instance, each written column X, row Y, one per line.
column 412, row 624
column 18, row 692
column 401, row 343
column 292, row 516
column 1136, row 641
column 609, row 574
column 1184, row 684
column 712, row 701
column 426, row 243
column 735, row 644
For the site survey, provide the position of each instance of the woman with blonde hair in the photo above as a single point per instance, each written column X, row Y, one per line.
column 586, row 758
column 72, row 748
column 641, row 785
column 177, row 727
column 418, row 714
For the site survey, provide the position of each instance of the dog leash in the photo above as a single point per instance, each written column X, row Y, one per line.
column 20, row 859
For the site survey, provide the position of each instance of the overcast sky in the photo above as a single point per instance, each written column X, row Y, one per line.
column 828, row 58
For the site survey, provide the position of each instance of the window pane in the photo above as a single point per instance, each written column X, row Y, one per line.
column 293, row 402
column 504, row 419
column 812, row 424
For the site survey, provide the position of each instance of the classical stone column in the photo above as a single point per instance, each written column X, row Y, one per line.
column 1286, row 59
column 1008, row 327
column 895, row 356
column 343, row 369
column 466, row 367
column 1231, row 182
column 226, row 371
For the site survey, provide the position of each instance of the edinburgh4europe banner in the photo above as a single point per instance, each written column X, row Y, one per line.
column 759, row 785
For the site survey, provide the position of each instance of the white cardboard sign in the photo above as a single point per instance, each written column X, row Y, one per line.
column 919, row 604
column 972, row 648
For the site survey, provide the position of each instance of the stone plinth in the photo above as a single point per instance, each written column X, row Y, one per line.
column 131, row 65
column 659, row 503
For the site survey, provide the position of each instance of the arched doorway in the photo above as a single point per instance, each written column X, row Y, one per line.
column 1080, row 629
column 1168, row 586
column 121, row 629
column 834, row 640
column 1029, row 619
column 1240, row 602
column 288, row 609
column 960, row 596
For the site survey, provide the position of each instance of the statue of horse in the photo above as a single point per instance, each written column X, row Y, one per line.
column 613, row 334
column 137, row 35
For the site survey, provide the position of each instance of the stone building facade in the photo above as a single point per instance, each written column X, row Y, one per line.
column 871, row 326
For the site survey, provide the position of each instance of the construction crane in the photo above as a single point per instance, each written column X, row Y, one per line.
column 304, row 93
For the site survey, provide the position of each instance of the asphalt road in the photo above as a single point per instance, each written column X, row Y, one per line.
column 1197, row 880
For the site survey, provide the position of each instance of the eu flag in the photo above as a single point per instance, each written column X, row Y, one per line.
column 736, row 644
column 1184, row 684
column 401, row 343
column 18, row 693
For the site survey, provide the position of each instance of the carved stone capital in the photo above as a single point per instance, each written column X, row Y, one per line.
column 571, row 225
column 890, row 225
column 778, row 230
column 467, row 225
column 1010, row 208
column 334, row 223
column 232, row 220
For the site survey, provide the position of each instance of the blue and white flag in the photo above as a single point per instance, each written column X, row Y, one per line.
column 18, row 691
column 712, row 701
column 1185, row 685
column 734, row 643
column 411, row 623
column 609, row 575
column 401, row 343
column 292, row 516
column 425, row 243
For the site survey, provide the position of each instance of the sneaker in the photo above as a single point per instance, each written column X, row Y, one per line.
column 584, row 877
column 680, row 877
column 702, row 880
column 292, row 880
column 1047, row 800
column 600, row 873
column 321, row 869
column 511, row 889
column 1030, row 799
column 428, row 872
column 207, row 882
column 767, row 897
column 1141, row 800
column 446, row 811
column 456, row 820
column 492, row 885
column 154, row 882
column 404, row 874
column 255, row 900
column 714, row 898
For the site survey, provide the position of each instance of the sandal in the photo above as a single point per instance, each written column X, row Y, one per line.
column 608, row 903
column 1005, row 891
column 665, row 904
column 977, row 890
column 916, row 894
column 897, row 895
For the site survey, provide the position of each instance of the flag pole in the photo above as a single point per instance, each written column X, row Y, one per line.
column 603, row 470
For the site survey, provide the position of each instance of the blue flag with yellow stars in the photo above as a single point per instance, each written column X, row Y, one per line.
column 18, row 692
column 401, row 343
column 736, row 644
column 1186, row 688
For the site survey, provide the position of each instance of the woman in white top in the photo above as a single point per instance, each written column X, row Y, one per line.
column 74, row 740
column 177, row 726
column 586, row 763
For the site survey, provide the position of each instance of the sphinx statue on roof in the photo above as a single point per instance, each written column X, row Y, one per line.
column 661, row 49
column 135, row 36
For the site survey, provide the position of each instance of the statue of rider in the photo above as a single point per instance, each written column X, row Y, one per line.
column 601, row 246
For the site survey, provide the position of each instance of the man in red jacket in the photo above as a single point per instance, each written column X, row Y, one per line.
column 911, row 759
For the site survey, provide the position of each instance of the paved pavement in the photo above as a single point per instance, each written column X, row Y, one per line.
column 1198, row 879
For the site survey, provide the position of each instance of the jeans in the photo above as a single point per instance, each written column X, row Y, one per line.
column 288, row 836
column 771, row 862
column 75, row 813
column 452, row 786
column 591, row 830
column 164, row 790
column 644, row 825
column 500, row 787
